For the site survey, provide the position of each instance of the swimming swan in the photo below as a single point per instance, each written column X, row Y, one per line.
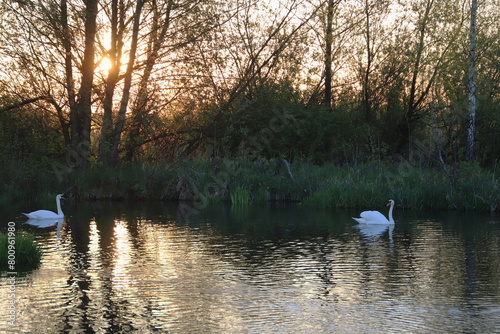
column 46, row 214
column 375, row 217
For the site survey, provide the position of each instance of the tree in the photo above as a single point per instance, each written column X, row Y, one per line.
column 159, row 33
column 161, row 23
column 472, row 83
column 111, row 136
column 80, row 114
column 183, row 72
column 165, row 66
column 42, row 38
column 249, row 50
column 374, row 14
column 331, row 4
column 61, row 60
column 437, row 27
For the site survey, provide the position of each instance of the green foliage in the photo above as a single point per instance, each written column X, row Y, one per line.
column 240, row 196
column 133, row 180
column 274, row 123
column 28, row 252
column 488, row 130
column 30, row 142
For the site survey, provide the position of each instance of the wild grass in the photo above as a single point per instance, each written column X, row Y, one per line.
column 410, row 187
column 27, row 252
column 467, row 186
column 240, row 196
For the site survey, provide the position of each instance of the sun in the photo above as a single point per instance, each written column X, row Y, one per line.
column 104, row 65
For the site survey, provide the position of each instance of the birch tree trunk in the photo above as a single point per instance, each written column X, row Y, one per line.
column 472, row 83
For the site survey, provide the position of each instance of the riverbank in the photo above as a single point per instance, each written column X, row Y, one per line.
column 467, row 187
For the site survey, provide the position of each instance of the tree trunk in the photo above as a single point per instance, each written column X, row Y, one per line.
column 140, row 108
column 70, row 139
column 328, row 54
column 367, row 104
column 413, row 102
column 117, row 132
column 68, row 63
column 472, row 83
column 114, row 55
column 81, row 113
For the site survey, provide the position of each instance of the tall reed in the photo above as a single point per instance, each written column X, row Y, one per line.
column 240, row 196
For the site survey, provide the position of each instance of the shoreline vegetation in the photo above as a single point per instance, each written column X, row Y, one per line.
column 201, row 181
column 28, row 252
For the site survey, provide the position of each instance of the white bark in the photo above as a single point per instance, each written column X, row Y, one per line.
column 472, row 83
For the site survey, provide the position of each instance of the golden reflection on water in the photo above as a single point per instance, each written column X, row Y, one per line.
column 131, row 273
column 94, row 245
column 121, row 256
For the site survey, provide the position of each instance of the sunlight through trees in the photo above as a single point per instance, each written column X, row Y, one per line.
column 123, row 80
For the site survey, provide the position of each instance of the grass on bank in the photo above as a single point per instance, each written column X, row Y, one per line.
column 27, row 252
column 368, row 185
column 241, row 182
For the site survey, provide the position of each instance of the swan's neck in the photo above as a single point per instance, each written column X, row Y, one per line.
column 391, row 220
column 59, row 210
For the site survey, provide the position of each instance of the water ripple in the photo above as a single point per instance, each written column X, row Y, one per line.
column 145, row 275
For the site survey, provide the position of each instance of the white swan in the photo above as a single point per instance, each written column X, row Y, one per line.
column 375, row 217
column 46, row 214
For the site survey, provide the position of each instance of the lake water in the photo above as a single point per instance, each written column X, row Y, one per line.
column 141, row 268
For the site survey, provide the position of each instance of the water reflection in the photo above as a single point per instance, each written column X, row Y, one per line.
column 44, row 223
column 373, row 231
column 123, row 268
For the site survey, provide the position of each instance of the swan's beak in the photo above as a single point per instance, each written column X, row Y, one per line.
column 388, row 203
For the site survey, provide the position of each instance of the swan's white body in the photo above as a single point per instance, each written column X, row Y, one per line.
column 375, row 217
column 46, row 214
